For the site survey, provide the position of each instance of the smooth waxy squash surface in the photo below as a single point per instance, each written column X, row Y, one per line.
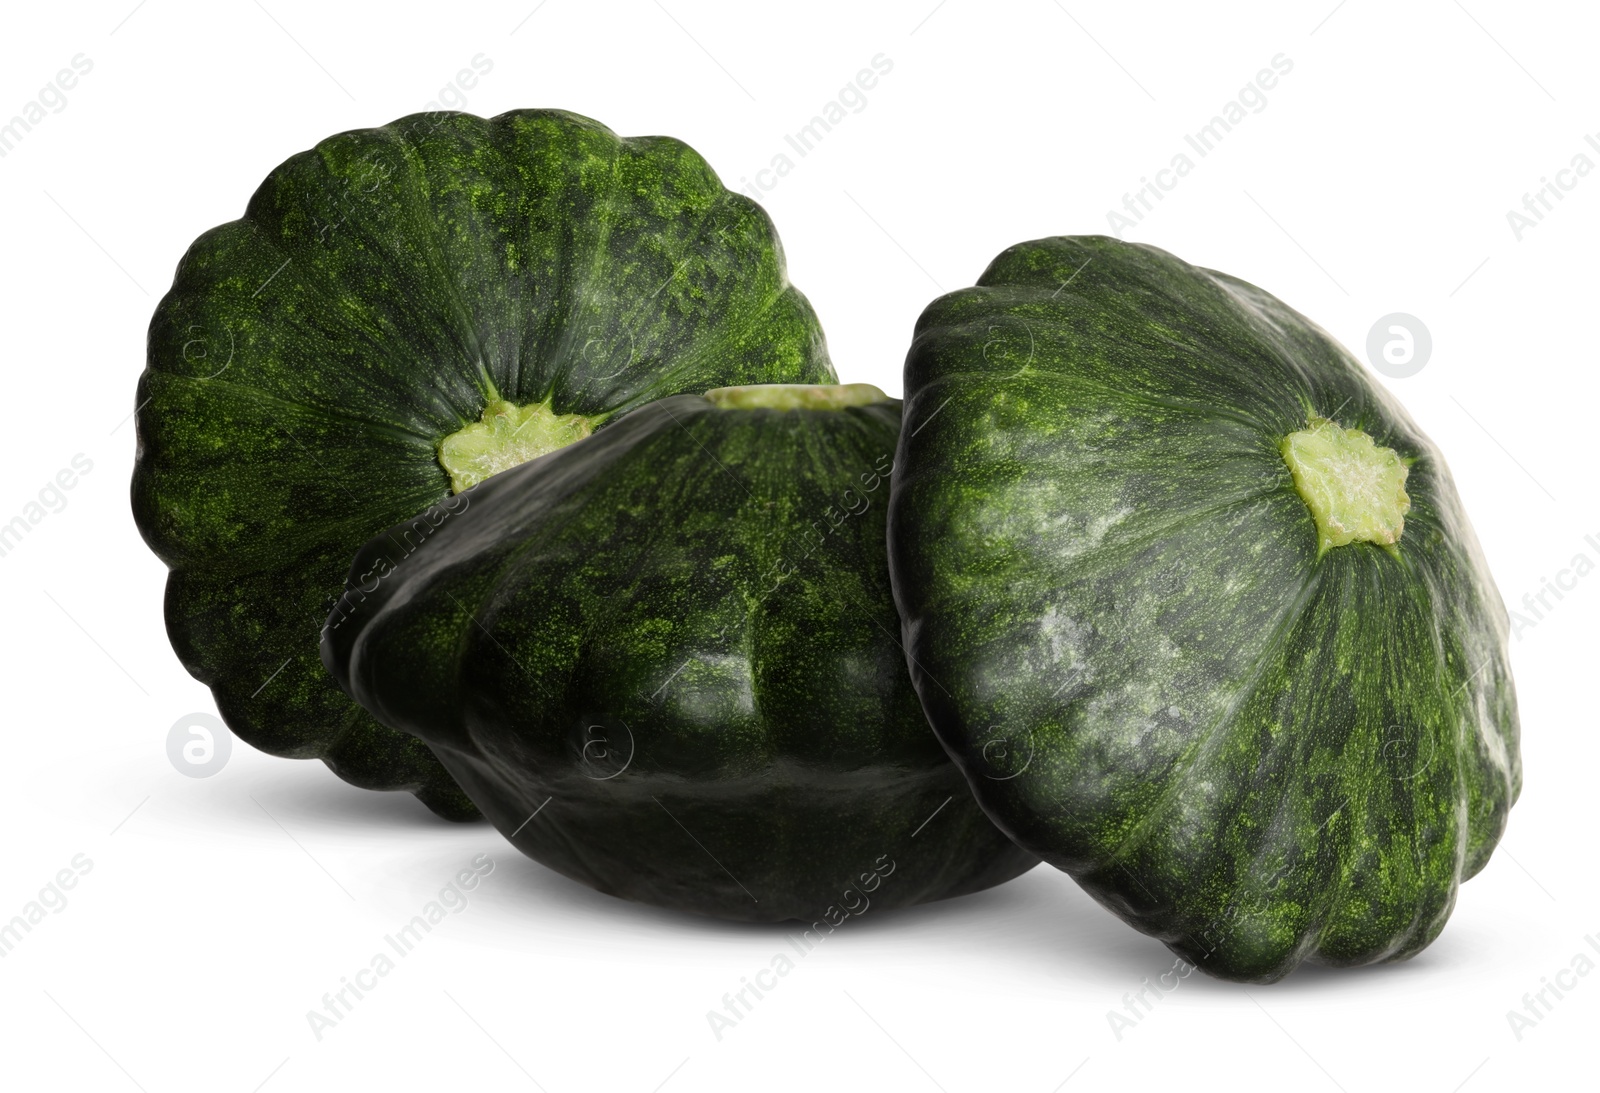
column 1197, row 609
column 664, row 661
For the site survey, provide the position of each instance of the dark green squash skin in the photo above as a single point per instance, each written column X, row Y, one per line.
column 664, row 662
column 311, row 355
column 1118, row 623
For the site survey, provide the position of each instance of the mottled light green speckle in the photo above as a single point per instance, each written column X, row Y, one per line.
column 380, row 291
column 683, row 620
column 1255, row 748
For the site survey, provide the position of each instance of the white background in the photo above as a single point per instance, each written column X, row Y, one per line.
column 218, row 911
